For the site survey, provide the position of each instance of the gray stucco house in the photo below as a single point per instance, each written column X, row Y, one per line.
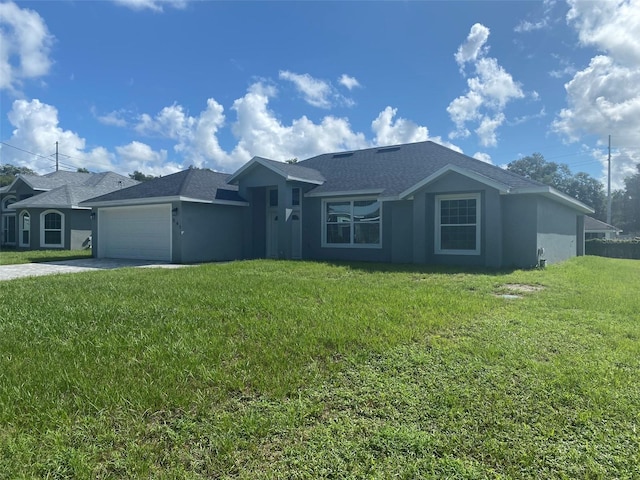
column 415, row 203
column 43, row 212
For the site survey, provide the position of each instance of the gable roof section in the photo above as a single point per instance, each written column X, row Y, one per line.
column 70, row 195
column 289, row 171
column 192, row 185
column 402, row 169
column 397, row 172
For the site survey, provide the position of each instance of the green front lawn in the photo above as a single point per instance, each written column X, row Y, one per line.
column 273, row 369
column 12, row 256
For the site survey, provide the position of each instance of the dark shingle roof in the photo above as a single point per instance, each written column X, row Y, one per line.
column 291, row 171
column 395, row 169
column 192, row 183
column 594, row 224
column 82, row 186
column 55, row 179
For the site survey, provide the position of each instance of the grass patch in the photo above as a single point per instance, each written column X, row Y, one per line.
column 268, row 369
column 12, row 256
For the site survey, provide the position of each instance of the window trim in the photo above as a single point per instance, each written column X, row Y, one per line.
column 42, row 230
column 324, row 242
column 21, row 229
column 7, row 220
column 438, row 226
column 5, row 202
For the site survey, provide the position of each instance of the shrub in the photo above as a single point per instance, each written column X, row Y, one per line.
column 613, row 248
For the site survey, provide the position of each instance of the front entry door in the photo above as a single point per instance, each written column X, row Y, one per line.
column 296, row 235
column 272, row 235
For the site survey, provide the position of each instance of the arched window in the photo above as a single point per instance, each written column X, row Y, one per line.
column 25, row 229
column 8, row 221
column 51, row 229
column 8, row 201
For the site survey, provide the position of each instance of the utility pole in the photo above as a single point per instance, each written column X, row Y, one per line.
column 56, row 155
column 609, row 185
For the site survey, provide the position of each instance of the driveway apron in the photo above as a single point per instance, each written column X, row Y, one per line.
column 10, row 272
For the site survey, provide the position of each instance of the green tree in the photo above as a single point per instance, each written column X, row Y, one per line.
column 9, row 172
column 82, row 170
column 581, row 186
column 535, row 167
column 631, row 203
column 141, row 177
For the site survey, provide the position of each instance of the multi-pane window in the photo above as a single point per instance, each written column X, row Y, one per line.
column 458, row 224
column 52, row 229
column 25, row 226
column 352, row 222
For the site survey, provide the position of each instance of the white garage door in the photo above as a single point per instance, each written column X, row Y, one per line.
column 141, row 233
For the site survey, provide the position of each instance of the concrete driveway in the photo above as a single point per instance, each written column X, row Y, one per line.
column 9, row 272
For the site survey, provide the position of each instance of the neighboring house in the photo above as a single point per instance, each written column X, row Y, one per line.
column 43, row 212
column 414, row 203
column 594, row 228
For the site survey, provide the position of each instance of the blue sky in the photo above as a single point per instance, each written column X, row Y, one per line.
column 158, row 86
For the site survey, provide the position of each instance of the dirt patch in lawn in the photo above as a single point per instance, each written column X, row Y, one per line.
column 516, row 290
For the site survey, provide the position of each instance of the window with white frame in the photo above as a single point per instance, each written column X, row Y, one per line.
column 25, row 229
column 52, row 228
column 8, row 201
column 355, row 223
column 457, row 229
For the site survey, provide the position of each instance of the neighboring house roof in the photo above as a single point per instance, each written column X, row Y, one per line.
column 82, row 186
column 192, row 185
column 594, row 225
column 53, row 180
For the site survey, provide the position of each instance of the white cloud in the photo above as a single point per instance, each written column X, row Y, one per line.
column 114, row 119
column 612, row 26
column 25, row 44
column 474, row 46
column 154, row 5
column 141, row 157
column 320, row 93
column 36, row 130
column 526, row 26
column 489, row 91
column 391, row 132
column 348, row 82
column 260, row 132
column 487, row 130
column 195, row 137
column 316, row 92
column 604, row 97
column 483, row 157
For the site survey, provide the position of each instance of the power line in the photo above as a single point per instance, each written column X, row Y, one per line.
column 25, row 151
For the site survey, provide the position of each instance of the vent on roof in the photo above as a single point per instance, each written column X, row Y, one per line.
column 342, row 155
column 387, row 149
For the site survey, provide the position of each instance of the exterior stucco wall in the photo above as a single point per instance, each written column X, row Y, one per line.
column 520, row 223
column 312, row 237
column 77, row 228
column 401, row 231
column 205, row 233
column 557, row 230
column 20, row 191
column 490, row 222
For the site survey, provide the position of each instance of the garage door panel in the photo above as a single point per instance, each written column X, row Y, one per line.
column 142, row 232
